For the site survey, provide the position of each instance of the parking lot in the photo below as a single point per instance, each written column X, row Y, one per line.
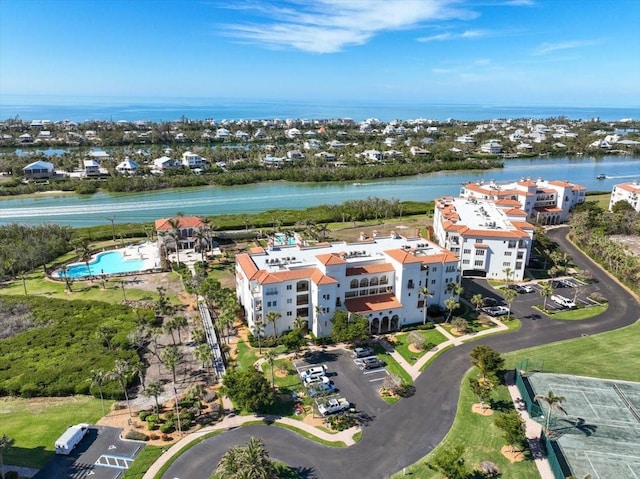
column 570, row 288
column 100, row 455
column 359, row 387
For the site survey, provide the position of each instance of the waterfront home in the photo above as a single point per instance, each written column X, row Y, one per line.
column 165, row 163
column 99, row 155
column 418, row 151
column 91, row 167
column 38, row 170
column 381, row 279
column 25, row 138
column 180, row 232
column 293, row 133
column 192, row 160
column 127, row 167
column 372, row 155
column 491, row 147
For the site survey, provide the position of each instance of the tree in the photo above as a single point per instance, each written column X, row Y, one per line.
column 487, row 360
column 68, row 280
column 98, row 378
column 179, row 322
column 258, row 331
column 425, row 293
column 300, row 323
column 513, row 427
column 417, row 339
column 250, row 461
column 507, row 275
column 84, row 252
column 203, row 353
column 509, row 297
column 482, row 388
column 170, row 358
column 478, row 301
column 5, row 444
column 122, row 372
column 450, row 463
column 461, row 325
column 270, row 356
column 248, row 389
column 154, row 390
column 553, row 402
column 349, row 328
column 105, row 334
column 451, row 304
column 545, row 292
column 273, row 317
column 174, row 234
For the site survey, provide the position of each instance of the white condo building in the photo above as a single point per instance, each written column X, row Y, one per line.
column 491, row 238
column 545, row 202
column 381, row 279
column 629, row 192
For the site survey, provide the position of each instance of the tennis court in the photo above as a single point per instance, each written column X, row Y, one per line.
column 599, row 431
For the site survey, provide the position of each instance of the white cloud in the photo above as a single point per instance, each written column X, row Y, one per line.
column 328, row 26
column 454, row 36
column 546, row 48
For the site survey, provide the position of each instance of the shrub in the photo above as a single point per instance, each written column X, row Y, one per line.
column 153, row 436
column 598, row 297
column 151, row 425
column 151, row 418
column 167, row 427
column 136, row 436
column 417, row 339
column 143, row 415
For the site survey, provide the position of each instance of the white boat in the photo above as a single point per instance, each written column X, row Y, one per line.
column 601, row 176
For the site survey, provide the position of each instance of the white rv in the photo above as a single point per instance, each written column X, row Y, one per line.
column 70, row 438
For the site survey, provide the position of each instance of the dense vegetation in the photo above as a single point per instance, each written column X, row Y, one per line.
column 63, row 342
column 592, row 228
column 23, row 248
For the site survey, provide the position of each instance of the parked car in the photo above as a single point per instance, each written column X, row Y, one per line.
column 562, row 301
column 323, row 388
column 316, row 380
column 316, row 371
column 527, row 288
column 372, row 363
column 489, row 301
column 362, row 352
column 520, row 288
column 496, row 311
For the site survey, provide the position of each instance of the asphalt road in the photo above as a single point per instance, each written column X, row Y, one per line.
column 412, row 427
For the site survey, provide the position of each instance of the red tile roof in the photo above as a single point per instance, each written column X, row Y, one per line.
column 183, row 222
column 371, row 304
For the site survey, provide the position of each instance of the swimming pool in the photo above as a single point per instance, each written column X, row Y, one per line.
column 110, row 262
column 283, row 239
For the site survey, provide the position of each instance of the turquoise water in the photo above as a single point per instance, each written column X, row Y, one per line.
column 112, row 262
column 281, row 239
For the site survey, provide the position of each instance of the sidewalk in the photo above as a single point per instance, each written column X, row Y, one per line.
column 233, row 421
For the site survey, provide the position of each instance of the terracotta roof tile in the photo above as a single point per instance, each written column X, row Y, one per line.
column 371, row 304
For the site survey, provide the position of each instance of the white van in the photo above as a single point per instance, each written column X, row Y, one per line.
column 562, row 301
column 314, row 372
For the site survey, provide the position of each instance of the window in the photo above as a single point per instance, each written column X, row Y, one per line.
column 373, row 282
column 433, row 281
column 364, row 282
column 480, row 241
column 289, row 287
column 353, row 284
column 384, row 280
column 507, row 253
column 326, row 297
column 479, row 252
column 466, row 251
column 465, row 261
column 519, row 265
column 478, row 263
column 289, row 313
column 410, row 284
column 434, row 269
column 289, row 301
column 506, row 263
column 512, row 243
column 520, row 255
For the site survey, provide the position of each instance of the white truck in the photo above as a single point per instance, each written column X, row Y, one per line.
column 332, row 406
column 70, row 438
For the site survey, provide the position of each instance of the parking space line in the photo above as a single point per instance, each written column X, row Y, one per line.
column 373, row 371
column 377, row 379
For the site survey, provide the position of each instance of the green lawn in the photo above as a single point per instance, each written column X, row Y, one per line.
column 581, row 313
column 143, row 462
column 35, row 424
column 246, row 355
column 612, row 355
column 38, row 285
column 291, row 381
column 402, row 345
column 481, row 439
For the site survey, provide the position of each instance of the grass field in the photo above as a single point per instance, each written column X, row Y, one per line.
column 402, row 345
column 35, row 424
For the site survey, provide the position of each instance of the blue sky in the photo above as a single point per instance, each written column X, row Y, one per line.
column 492, row 52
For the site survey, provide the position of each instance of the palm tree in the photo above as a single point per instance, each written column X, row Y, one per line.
column 258, row 330
column 202, row 242
column 174, row 233
column 270, row 355
column 169, row 327
column 98, row 378
column 509, row 297
column 553, row 402
column 451, row 304
column 68, row 281
column 300, row 323
column 230, row 464
column 83, row 250
column 154, row 390
column 273, row 317
column 121, row 372
column 203, row 353
column 425, row 292
column 478, row 301
column 256, row 462
column 179, row 322
column 5, row 444
column 545, row 292
column 507, row 274
column 170, row 358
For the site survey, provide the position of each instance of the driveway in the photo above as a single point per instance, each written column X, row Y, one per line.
column 412, row 427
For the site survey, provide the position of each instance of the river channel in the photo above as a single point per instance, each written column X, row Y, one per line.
column 76, row 210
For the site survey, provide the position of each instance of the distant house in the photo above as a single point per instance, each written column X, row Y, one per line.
column 191, row 160
column 372, row 155
column 128, row 167
column 295, row 155
column 417, row 151
column 312, row 144
column 165, row 163
column 491, row 147
column 25, row 138
column 38, row 170
column 91, row 168
column 293, row 133
column 99, row 155
column 336, row 144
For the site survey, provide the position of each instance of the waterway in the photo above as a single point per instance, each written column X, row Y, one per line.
column 77, row 211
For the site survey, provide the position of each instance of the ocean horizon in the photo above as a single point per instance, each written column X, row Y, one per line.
column 82, row 108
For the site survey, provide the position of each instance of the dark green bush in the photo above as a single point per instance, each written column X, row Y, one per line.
column 143, row 415
column 167, row 427
column 136, row 436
